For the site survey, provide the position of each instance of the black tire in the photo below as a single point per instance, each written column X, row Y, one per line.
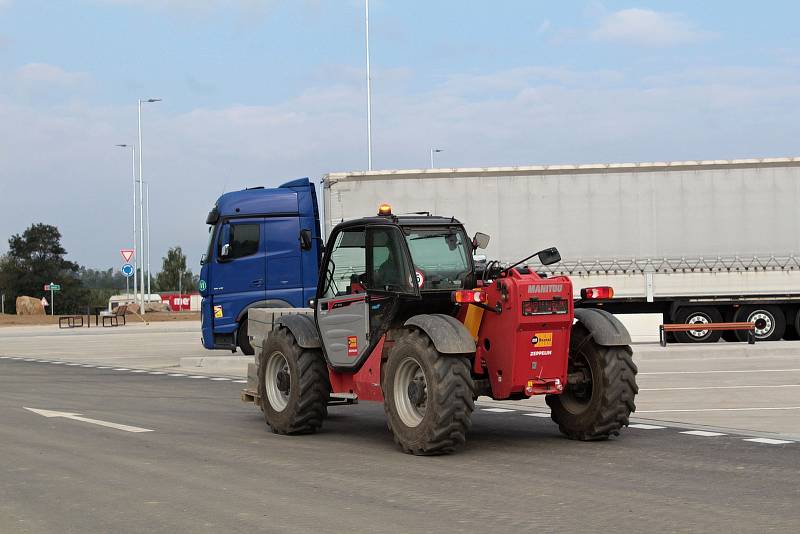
column 294, row 391
column 440, row 402
column 243, row 340
column 770, row 322
column 693, row 315
column 792, row 332
column 600, row 408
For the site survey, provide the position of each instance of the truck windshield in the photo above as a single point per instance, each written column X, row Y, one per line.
column 440, row 257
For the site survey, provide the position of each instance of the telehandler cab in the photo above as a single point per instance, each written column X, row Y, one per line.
column 402, row 316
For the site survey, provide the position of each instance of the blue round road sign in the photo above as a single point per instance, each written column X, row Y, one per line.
column 127, row 270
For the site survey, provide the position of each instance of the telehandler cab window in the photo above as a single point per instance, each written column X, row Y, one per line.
column 388, row 263
column 346, row 271
column 440, row 257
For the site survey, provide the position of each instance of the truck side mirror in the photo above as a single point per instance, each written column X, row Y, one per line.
column 480, row 240
column 305, row 239
column 226, row 249
column 549, row 256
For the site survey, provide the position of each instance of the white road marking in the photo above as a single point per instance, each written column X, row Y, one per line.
column 537, row 414
column 240, row 381
column 156, row 373
column 770, row 386
column 104, row 367
column 198, row 376
column 59, row 363
column 645, row 427
column 749, row 371
column 29, row 360
column 121, row 369
column 177, row 374
column 219, row 378
column 497, row 410
column 73, row 364
column 139, row 371
column 77, row 417
column 722, row 409
column 769, row 441
column 88, row 365
column 704, row 433
column 3, row 357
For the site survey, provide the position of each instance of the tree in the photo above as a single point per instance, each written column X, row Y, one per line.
column 173, row 268
column 36, row 258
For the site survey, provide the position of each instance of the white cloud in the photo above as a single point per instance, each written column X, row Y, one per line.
column 648, row 28
column 46, row 74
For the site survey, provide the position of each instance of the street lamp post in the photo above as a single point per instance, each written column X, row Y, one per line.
column 434, row 151
column 147, row 221
column 369, row 88
column 141, row 198
column 135, row 252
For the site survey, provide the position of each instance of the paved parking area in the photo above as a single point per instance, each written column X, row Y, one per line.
column 726, row 385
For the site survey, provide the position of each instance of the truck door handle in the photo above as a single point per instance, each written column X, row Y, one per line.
column 257, row 283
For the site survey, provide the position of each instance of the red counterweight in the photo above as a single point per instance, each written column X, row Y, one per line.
column 523, row 346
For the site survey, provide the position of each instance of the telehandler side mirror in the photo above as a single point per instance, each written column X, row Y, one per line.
column 549, row 256
column 480, row 240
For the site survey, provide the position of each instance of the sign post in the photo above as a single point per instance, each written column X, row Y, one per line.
column 127, row 271
column 52, row 287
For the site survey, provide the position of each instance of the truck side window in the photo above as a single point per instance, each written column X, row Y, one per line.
column 346, row 269
column 243, row 240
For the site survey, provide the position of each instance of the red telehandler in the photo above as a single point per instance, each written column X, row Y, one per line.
column 402, row 316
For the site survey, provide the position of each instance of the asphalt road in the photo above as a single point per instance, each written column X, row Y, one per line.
column 210, row 464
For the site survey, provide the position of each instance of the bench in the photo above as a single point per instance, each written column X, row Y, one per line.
column 664, row 328
column 69, row 321
column 113, row 316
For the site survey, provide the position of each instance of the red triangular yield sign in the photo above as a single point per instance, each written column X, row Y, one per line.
column 127, row 254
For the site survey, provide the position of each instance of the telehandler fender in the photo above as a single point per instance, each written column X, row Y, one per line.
column 302, row 328
column 448, row 334
column 606, row 329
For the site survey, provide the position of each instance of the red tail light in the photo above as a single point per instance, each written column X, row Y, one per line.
column 466, row 296
column 597, row 293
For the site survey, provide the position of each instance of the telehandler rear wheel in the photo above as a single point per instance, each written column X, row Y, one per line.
column 293, row 385
column 600, row 391
column 427, row 396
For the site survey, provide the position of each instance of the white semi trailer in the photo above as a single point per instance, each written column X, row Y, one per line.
column 698, row 241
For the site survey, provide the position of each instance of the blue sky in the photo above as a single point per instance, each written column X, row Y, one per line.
column 257, row 92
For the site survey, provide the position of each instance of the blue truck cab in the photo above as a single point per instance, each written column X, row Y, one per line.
column 264, row 250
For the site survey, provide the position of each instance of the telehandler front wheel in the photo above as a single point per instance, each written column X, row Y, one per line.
column 427, row 396
column 293, row 385
column 600, row 391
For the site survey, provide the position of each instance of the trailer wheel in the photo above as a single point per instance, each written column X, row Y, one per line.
column 699, row 316
column 243, row 340
column 427, row 396
column 769, row 320
column 792, row 324
column 293, row 384
column 600, row 391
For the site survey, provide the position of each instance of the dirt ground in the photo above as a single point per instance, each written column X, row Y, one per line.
column 23, row 320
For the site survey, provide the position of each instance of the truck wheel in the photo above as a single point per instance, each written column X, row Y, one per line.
column 293, row 385
column 427, row 396
column 600, row 391
column 243, row 340
column 698, row 316
column 769, row 320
